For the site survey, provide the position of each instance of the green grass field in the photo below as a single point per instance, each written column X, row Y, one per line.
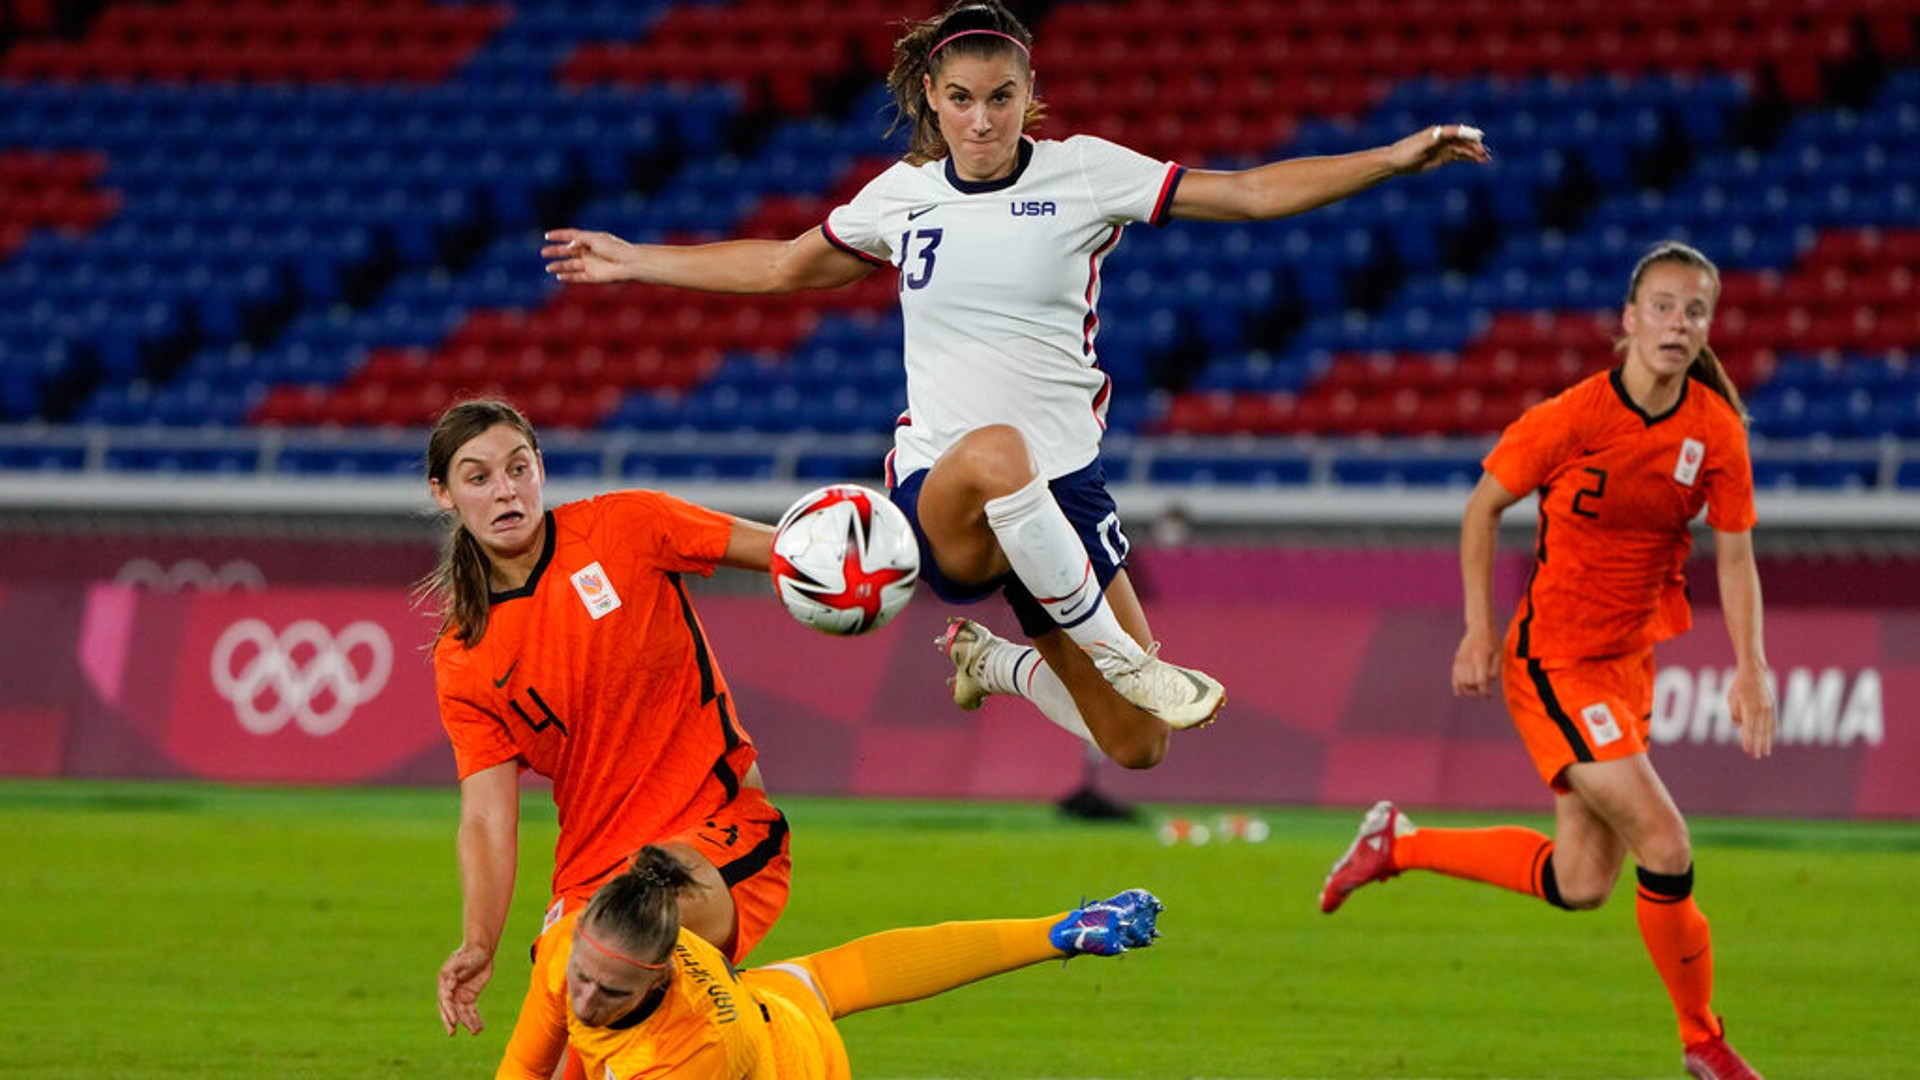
column 161, row 930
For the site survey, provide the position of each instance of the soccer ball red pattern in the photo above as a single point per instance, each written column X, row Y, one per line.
column 844, row 559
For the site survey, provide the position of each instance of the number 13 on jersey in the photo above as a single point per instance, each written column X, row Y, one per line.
column 916, row 257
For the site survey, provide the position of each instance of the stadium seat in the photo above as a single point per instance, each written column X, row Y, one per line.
column 322, row 212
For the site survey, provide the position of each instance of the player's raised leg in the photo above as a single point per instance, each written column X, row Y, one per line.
column 898, row 966
column 985, row 513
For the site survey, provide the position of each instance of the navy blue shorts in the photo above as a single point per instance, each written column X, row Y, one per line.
column 1082, row 495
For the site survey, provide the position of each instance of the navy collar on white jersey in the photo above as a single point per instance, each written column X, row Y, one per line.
column 982, row 187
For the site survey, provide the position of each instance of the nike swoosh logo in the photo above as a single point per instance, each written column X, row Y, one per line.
column 917, row 211
column 1199, row 690
column 501, row 682
column 1695, row 956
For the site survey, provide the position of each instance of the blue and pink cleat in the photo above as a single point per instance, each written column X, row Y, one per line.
column 1109, row 927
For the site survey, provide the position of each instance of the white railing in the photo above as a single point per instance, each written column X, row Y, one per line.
column 254, row 480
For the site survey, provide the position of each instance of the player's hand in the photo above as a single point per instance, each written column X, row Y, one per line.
column 1750, row 701
column 1441, row 144
column 1476, row 664
column 577, row 256
column 462, row 978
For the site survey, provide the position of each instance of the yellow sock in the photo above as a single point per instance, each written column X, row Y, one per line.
column 906, row 965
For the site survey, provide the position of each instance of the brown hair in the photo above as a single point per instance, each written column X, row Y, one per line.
column 913, row 62
column 639, row 911
column 1706, row 368
column 460, row 582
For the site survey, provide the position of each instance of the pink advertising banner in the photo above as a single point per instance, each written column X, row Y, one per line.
column 1336, row 665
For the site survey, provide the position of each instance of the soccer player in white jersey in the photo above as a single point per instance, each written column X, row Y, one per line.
column 998, row 239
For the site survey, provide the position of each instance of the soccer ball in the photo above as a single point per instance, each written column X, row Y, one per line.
column 844, row 559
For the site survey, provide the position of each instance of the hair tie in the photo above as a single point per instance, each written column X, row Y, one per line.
column 943, row 42
column 603, row 950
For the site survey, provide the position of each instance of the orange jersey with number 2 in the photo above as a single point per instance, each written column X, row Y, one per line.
column 1618, row 490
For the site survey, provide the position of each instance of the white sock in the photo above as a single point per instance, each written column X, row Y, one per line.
column 1048, row 559
column 1031, row 678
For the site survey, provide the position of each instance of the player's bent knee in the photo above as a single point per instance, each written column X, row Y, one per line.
column 1578, row 892
column 995, row 456
column 1141, row 752
column 1584, row 901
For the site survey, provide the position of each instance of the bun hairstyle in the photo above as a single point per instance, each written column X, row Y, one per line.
column 1706, row 368
column 639, row 911
column 978, row 28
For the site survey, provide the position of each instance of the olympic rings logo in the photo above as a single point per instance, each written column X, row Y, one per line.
column 191, row 574
column 304, row 674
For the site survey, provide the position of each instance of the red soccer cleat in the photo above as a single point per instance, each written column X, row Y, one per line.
column 1713, row 1059
column 1369, row 859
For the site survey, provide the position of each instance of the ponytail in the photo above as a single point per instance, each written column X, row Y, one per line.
column 1708, row 371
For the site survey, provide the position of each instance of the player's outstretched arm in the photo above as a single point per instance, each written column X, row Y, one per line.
column 749, row 547
column 808, row 261
column 1296, row 185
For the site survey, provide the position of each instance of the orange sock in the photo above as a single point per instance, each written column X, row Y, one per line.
column 1681, row 946
column 907, row 965
column 1505, row 855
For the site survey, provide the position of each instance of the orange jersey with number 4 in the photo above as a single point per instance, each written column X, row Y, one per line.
column 598, row 675
column 1618, row 490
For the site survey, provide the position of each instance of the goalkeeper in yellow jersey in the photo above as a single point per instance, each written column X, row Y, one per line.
column 637, row 996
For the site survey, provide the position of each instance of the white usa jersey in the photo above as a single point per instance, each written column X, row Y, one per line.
column 998, row 286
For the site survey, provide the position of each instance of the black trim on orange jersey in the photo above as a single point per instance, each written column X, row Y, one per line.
column 1544, row 687
column 700, row 655
column 539, row 568
column 762, row 853
column 1619, row 385
column 709, row 683
column 723, row 769
column 1539, row 560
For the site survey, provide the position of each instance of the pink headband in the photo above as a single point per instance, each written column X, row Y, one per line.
column 602, row 949
column 931, row 53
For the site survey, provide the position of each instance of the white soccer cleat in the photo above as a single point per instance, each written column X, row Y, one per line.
column 969, row 646
column 1180, row 697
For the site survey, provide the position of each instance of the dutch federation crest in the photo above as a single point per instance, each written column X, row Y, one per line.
column 1686, row 469
column 596, row 592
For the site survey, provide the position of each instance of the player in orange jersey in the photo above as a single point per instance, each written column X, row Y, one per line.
column 637, row 996
column 1622, row 463
column 569, row 646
